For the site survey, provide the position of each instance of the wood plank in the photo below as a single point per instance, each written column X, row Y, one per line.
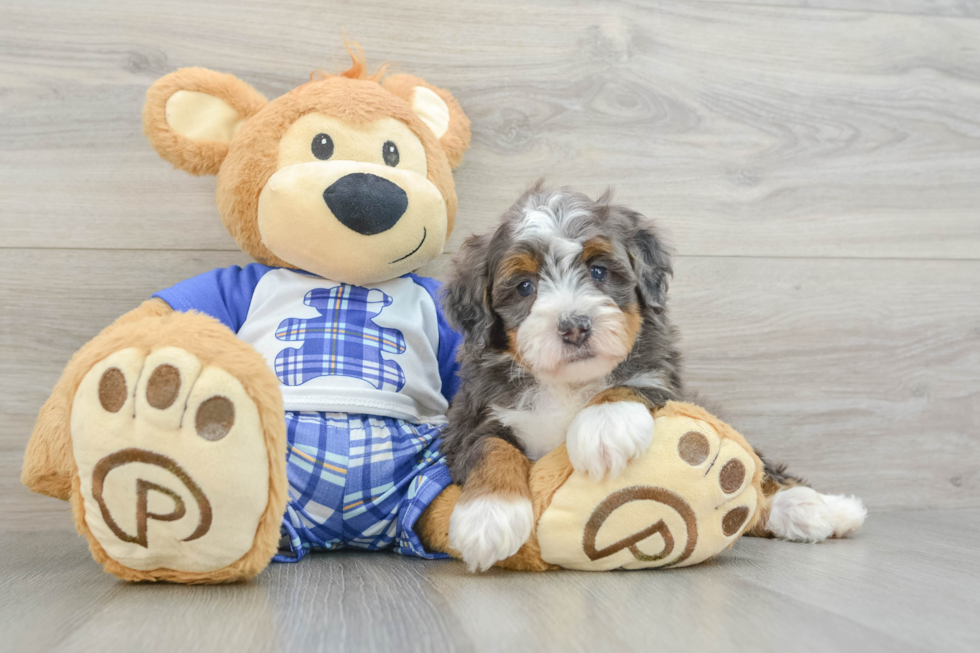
column 907, row 583
column 750, row 130
column 951, row 8
column 898, row 581
column 862, row 374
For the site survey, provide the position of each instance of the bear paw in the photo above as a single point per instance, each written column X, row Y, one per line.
column 686, row 498
column 173, row 467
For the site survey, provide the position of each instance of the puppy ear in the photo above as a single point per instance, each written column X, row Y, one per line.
column 651, row 259
column 438, row 109
column 192, row 114
column 466, row 296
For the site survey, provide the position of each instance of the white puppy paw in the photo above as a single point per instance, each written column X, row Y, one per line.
column 603, row 438
column 847, row 514
column 801, row 514
column 487, row 529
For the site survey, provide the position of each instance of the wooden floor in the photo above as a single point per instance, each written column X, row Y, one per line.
column 817, row 164
column 908, row 583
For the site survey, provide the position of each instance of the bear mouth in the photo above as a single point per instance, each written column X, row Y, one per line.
column 417, row 247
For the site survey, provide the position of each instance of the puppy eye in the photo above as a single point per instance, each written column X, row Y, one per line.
column 598, row 272
column 322, row 147
column 525, row 288
column 390, row 153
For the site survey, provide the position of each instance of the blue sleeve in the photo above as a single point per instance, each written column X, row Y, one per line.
column 449, row 340
column 225, row 294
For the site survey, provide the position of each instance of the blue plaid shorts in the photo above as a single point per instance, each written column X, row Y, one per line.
column 358, row 481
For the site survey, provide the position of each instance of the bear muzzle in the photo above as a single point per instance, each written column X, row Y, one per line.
column 352, row 221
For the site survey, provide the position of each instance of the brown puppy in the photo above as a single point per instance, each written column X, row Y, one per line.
column 567, row 339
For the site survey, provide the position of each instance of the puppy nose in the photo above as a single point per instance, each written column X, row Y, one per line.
column 366, row 203
column 575, row 329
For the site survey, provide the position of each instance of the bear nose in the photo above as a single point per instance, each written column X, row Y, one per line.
column 366, row 203
column 575, row 329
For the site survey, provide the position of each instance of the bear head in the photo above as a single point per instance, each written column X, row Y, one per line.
column 347, row 176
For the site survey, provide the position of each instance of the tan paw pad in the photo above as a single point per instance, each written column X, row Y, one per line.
column 172, row 461
column 685, row 500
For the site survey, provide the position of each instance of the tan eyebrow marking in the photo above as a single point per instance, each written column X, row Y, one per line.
column 516, row 264
column 595, row 247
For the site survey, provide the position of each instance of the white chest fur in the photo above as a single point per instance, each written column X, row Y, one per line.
column 542, row 416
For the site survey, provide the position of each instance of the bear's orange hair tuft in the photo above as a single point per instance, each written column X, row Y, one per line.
column 358, row 69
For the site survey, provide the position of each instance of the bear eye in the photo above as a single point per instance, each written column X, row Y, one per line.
column 390, row 153
column 322, row 147
column 525, row 288
column 598, row 272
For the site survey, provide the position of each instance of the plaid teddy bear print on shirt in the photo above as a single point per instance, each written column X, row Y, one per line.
column 344, row 340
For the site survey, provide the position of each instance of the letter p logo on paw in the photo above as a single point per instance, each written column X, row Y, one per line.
column 141, row 510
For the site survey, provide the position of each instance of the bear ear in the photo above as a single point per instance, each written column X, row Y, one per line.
column 192, row 114
column 438, row 109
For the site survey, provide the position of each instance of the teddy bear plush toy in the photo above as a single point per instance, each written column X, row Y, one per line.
column 295, row 404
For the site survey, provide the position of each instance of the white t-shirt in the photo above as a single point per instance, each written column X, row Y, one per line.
column 384, row 349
